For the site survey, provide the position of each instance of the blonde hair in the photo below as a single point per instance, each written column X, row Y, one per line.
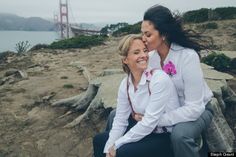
column 124, row 46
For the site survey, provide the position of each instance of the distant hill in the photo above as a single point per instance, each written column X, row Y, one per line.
column 14, row 22
column 204, row 14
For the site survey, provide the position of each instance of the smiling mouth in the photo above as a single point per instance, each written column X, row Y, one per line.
column 142, row 62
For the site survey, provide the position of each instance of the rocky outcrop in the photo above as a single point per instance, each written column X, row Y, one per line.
column 220, row 136
column 13, row 75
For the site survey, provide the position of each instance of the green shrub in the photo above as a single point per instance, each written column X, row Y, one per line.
column 208, row 59
column 219, row 61
column 78, row 42
column 196, row 16
column 68, row 86
column 129, row 29
column 38, row 47
column 22, row 46
column 210, row 25
column 233, row 64
column 64, row 77
column 202, row 15
column 226, row 12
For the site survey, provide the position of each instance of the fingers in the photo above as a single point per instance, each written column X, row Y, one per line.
column 138, row 116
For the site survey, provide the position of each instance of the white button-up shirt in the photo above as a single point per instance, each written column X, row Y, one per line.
column 191, row 87
column 163, row 98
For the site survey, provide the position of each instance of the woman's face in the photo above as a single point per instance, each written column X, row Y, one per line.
column 151, row 37
column 137, row 58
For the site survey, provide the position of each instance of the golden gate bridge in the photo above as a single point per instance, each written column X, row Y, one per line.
column 67, row 29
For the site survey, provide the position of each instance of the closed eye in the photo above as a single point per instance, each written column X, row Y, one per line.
column 136, row 52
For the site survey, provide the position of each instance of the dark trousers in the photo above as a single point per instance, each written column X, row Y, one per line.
column 153, row 145
column 183, row 134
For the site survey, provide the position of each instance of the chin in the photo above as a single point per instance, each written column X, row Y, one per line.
column 150, row 49
column 144, row 68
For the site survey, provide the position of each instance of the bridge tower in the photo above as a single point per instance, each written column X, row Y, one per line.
column 64, row 20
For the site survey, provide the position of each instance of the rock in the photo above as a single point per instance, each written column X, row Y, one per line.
column 220, row 137
column 108, row 89
column 216, row 75
column 20, row 74
column 230, row 54
column 112, row 71
column 10, row 72
column 1, row 82
column 205, row 66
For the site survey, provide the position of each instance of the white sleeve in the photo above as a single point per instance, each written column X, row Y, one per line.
column 193, row 105
column 120, row 122
column 159, row 86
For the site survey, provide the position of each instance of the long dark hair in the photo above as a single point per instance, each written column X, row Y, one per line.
column 170, row 26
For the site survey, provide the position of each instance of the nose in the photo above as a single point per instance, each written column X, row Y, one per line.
column 144, row 54
column 143, row 38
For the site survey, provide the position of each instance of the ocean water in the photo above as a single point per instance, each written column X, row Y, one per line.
column 9, row 39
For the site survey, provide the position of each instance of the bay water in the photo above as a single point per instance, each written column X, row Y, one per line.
column 9, row 39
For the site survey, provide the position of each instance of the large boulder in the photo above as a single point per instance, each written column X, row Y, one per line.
column 220, row 136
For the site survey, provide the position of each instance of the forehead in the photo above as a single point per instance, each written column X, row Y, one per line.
column 147, row 26
column 136, row 44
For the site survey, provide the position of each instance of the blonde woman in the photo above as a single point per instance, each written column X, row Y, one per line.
column 145, row 95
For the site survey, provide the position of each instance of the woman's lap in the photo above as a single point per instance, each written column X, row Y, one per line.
column 153, row 145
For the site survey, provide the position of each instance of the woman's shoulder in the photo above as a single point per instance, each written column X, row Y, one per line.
column 123, row 83
column 159, row 75
column 185, row 52
column 124, row 80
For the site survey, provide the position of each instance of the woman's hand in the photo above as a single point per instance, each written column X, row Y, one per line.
column 138, row 116
column 108, row 155
column 112, row 152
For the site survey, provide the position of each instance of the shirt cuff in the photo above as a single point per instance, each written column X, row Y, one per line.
column 163, row 122
column 119, row 143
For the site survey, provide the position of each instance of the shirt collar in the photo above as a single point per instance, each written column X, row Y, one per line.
column 173, row 49
column 144, row 78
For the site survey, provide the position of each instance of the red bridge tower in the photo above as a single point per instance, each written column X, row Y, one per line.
column 64, row 20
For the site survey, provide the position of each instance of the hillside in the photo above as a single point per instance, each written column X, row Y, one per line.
column 223, row 34
column 31, row 126
column 14, row 22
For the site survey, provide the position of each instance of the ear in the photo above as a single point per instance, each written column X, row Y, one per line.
column 163, row 38
column 124, row 60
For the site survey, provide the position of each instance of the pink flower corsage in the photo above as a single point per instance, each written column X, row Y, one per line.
column 169, row 68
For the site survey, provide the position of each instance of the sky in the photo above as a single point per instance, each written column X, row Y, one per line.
column 103, row 11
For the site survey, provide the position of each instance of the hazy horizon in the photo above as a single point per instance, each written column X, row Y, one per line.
column 103, row 11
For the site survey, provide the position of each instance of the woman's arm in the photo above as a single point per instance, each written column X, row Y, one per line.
column 120, row 122
column 193, row 105
column 160, row 93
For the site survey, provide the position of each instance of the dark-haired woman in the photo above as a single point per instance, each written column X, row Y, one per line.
column 169, row 43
